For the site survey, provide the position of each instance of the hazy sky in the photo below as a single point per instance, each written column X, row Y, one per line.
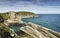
column 36, row 6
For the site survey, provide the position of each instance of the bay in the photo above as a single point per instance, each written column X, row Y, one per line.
column 51, row 21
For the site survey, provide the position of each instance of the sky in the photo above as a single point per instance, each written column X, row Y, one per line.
column 36, row 6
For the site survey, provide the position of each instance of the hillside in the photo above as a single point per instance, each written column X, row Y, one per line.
column 6, row 32
column 5, row 15
column 22, row 13
column 25, row 13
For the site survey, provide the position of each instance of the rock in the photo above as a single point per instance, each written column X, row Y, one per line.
column 37, row 31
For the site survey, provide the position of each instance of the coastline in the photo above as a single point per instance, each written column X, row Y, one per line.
column 34, row 29
column 33, row 16
column 43, row 27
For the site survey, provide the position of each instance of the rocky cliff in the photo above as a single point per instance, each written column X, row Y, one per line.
column 37, row 31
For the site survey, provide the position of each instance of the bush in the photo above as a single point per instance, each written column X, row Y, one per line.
column 1, row 19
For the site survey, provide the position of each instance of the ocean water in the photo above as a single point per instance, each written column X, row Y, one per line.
column 51, row 21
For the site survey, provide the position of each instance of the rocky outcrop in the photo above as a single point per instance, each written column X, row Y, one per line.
column 37, row 31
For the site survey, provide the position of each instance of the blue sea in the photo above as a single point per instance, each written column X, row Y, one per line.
column 51, row 21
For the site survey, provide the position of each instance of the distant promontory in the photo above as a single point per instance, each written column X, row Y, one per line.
column 5, row 15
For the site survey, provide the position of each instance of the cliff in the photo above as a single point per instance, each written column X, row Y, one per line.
column 21, row 13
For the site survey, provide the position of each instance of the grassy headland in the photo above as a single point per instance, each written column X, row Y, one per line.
column 25, row 13
column 21, row 13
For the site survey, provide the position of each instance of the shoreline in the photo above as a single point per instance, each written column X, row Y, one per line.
column 35, row 29
column 43, row 27
column 31, row 16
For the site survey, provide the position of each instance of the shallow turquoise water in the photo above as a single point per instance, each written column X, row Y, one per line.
column 16, row 27
column 51, row 21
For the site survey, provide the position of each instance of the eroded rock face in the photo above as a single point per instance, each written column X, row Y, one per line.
column 37, row 31
column 4, row 34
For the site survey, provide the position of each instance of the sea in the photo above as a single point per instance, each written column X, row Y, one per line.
column 51, row 21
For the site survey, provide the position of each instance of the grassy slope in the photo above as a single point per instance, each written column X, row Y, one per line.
column 5, row 15
column 4, row 27
column 22, row 13
column 7, row 29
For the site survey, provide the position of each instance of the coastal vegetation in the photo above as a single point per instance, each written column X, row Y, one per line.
column 25, row 13
column 5, row 15
column 21, row 13
column 6, row 31
column 1, row 19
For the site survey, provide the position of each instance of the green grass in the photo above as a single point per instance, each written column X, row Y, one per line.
column 7, row 29
column 21, row 13
column 5, row 15
column 24, row 13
